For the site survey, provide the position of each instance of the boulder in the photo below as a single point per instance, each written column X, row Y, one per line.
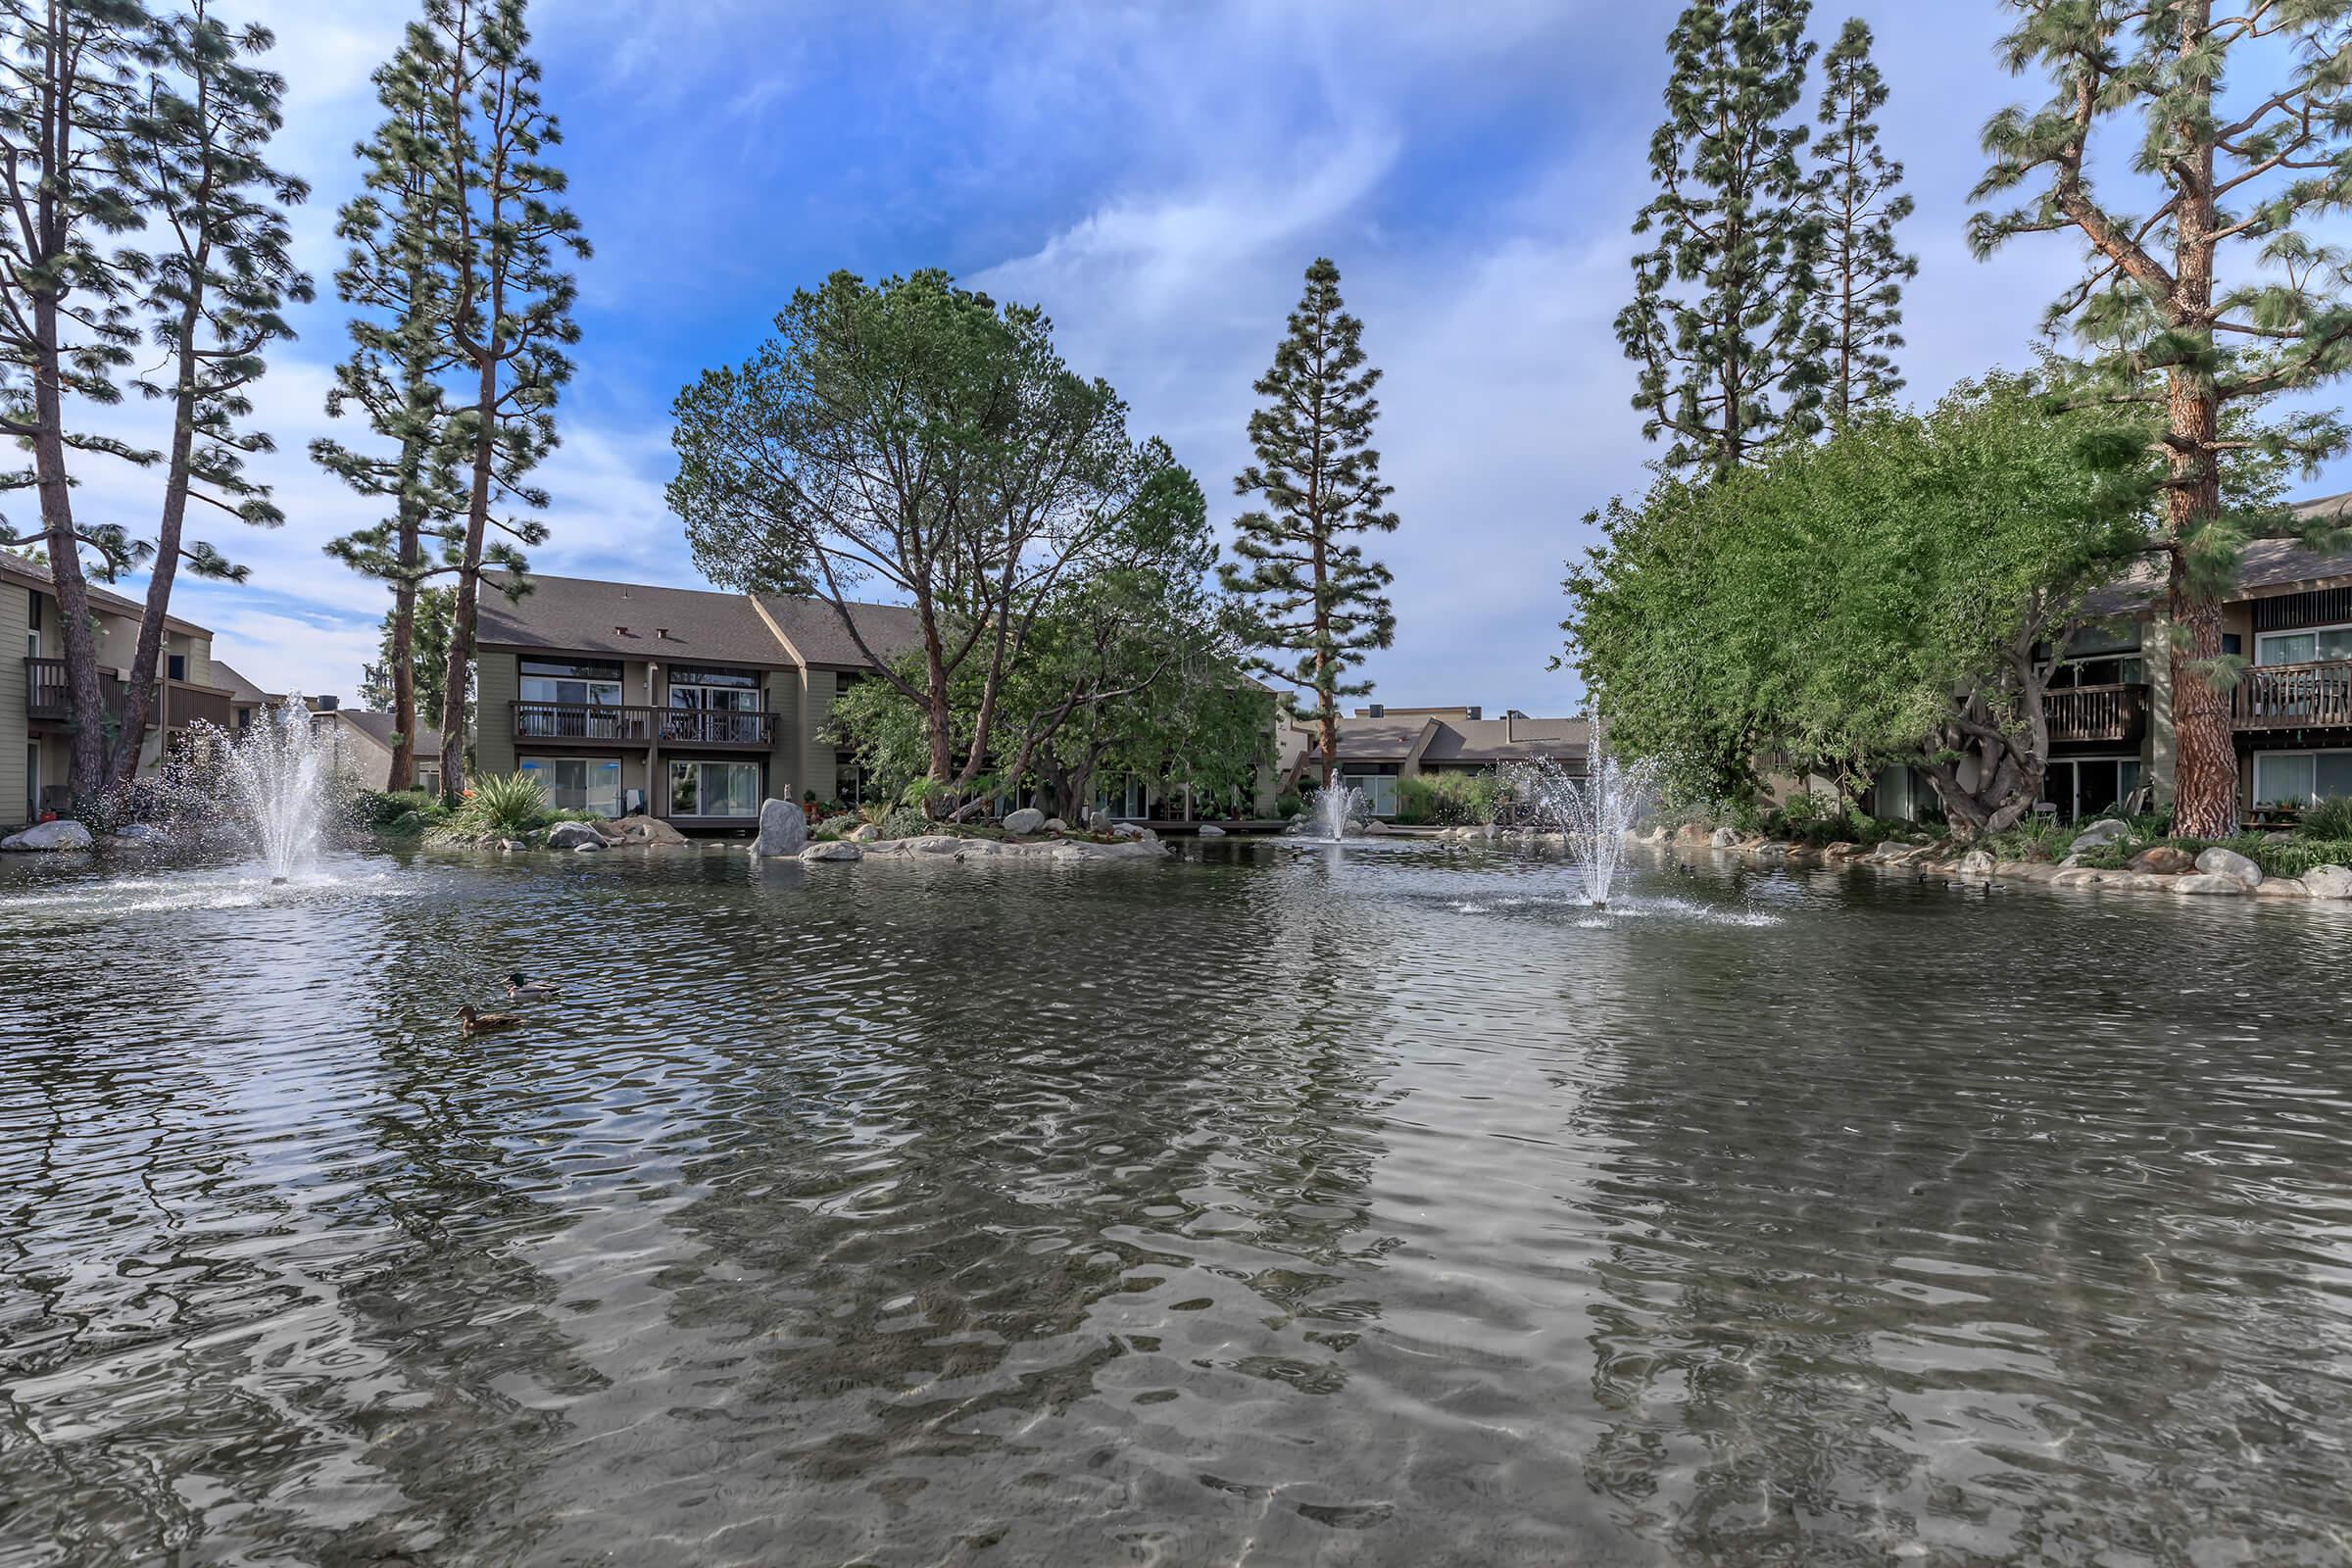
column 833, row 849
column 574, row 836
column 2328, row 882
column 2218, row 861
column 1126, row 830
column 1839, row 851
column 1211, row 830
column 783, row 829
column 146, row 833
column 649, row 830
column 63, row 834
column 1976, row 864
column 865, row 833
column 1724, row 838
column 594, row 846
column 1054, row 824
column 609, row 831
column 2079, row 876
column 2165, row 861
column 939, row 844
column 1371, row 826
column 2281, row 886
column 1025, row 821
column 2105, row 831
column 2208, row 882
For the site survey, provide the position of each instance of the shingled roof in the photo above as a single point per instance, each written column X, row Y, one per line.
column 814, row 629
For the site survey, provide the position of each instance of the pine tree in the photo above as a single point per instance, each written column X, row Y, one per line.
column 2199, row 280
column 67, row 90
column 214, row 292
column 392, row 275
column 1859, row 201
column 1720, row 323
column 427, row 640
column 1314, row 593
column 500, row 230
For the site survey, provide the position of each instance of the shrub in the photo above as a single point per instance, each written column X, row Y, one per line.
column 906, row 822
column 1291, row 805
column 2331, row 818
column 2298, row 854
column 1447, row 800
column 500, row 805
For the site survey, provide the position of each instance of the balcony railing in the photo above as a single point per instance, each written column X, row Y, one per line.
column 599, row 724
column 2294, row 697
column 49, row 700
column 2097, row 713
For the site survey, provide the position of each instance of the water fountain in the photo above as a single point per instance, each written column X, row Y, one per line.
column 1330, row 810
column 1594, row 811
column 274, row 777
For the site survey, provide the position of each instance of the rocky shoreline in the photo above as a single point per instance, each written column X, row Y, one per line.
column 2215, row 872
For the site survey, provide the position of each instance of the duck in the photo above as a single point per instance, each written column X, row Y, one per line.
column 519, row 985
column 470, row 1022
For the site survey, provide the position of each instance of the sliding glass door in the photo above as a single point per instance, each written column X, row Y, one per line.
column 714, row 789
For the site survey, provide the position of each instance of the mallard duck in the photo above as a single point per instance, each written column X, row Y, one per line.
column 519, row 986
column 470, row 1022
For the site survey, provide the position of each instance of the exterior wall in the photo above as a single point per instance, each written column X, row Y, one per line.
column 16, row 615
column 816, row 768
column 787, row 765
column 497, row 682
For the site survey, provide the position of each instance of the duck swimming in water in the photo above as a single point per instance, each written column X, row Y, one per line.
column 520, row 986
column 470, row 1022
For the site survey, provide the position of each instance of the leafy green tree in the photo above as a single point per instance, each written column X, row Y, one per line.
column 917, row 437
column 427, row 643
column 1315, row 596
column 2202, row 292
column 393, row 277
column 1859, row 199
column 1893, row 594
column 1722, row 323
column 67, row 88
column 503, row 235
column 215, row 294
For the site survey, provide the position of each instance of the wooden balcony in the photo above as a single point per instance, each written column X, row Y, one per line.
column 49, row 700
column 2276, row 697
column 595, row 725
column 2117, row 714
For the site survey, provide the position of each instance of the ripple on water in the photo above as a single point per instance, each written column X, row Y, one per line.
column 1385, row 1207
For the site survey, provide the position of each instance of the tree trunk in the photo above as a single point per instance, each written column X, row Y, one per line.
column 455, row 696
column 138, row 696
column 88, row 701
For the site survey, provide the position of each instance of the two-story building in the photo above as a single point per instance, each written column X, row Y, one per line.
column 36, row 714
column 687, row 703
column 2288, row 619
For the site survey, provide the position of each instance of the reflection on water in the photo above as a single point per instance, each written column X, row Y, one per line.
column 1280, row 1206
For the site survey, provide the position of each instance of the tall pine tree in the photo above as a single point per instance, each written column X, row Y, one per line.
column 1721, row 321
column 215, row 293
column 393, row 276
column 2200, row 276
column 1316, row 598
column 502, row 234
column 1859, row 201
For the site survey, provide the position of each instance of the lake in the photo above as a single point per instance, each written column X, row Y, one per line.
column 1281, row 1203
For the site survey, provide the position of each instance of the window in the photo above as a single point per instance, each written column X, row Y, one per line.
column 572, row 783
column 2303, row 646
column 714, row 789
column 1379, row 784
column 713, row 705
column 2298, row 778
column 577, row 684
column 175, row 666
column 429, row 778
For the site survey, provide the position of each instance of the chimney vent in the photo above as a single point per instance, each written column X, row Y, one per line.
column 327, row 705
column 1476, row 712
column 660, row 634
column 1377, row 711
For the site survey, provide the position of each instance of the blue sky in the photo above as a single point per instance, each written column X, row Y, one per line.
column 1157, row 178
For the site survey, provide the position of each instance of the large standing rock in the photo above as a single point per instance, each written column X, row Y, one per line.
column 1025, row 821
column 2328, row 882
column 574, row 836
column 2105, row 831
column 2218, row 861
column 783, row 829
column 62, row 834
column 2165, row 861
column 833, row 849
